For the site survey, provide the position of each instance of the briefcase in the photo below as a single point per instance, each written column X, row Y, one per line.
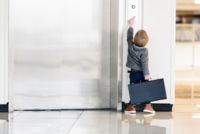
column 147, row 91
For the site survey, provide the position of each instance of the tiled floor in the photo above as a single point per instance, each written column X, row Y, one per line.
column 185, row 119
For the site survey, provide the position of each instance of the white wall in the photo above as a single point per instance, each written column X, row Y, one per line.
column 3, row 51
column 158, row 19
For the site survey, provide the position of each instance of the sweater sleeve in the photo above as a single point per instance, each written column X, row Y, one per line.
column 130, row 35
column 145, row 62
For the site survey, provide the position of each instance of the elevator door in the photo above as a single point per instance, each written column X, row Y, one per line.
column 60, row 54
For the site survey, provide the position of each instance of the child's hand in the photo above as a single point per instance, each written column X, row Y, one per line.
column 147, row 77
column 131, row 22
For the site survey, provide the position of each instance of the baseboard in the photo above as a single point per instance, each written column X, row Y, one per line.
column 159, row 107
column 70, row 109
column 4, row 107
column 165, row 107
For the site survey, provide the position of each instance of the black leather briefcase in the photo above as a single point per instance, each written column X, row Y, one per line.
column 147, row 91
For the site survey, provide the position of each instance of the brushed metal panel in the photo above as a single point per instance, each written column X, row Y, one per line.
column 61, row 54
column 3, row 51
column 116, row 63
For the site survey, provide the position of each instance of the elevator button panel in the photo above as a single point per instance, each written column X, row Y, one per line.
column 132, row 8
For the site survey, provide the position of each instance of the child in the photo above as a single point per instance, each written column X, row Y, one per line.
column 137, row 61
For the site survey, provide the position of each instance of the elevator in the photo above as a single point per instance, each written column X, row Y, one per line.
column 60, row 54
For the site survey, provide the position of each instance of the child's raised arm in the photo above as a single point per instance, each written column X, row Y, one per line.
column 130, row 35
column 131, row 23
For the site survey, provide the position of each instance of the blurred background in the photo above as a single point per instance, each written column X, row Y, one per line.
column 187, row 51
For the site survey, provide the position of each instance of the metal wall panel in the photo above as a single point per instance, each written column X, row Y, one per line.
column 3, row 51
column 60, row 53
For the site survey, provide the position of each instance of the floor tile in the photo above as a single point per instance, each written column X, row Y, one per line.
column 185, row 119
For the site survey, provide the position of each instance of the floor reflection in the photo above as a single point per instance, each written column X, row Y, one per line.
column 3, row 127
column 146, row 123
column 99, row 122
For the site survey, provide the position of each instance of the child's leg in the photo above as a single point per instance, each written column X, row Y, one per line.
column 130, row 108
column 136, row 77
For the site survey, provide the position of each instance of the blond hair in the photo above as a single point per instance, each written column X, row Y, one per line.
column 141, row 38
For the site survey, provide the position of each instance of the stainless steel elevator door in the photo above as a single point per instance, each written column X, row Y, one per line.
column 60, row 53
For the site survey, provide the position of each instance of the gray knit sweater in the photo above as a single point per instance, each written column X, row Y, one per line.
column 137, row 58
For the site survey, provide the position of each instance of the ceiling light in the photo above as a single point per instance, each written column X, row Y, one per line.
column 198, row 105
column 196, row 116
column 197, row 1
